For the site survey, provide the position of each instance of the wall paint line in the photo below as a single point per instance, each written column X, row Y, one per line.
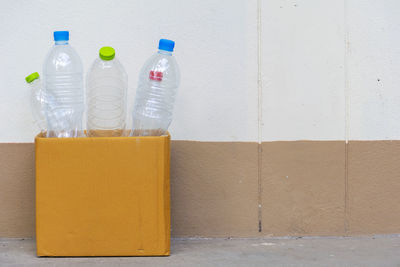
column 347, row 114
column 346, row 74
column 260, row 110
column 346, row 188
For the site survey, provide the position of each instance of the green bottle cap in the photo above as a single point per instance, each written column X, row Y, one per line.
column 107, row 53
column 30, row 78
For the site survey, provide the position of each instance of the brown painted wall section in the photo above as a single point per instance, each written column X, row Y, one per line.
column 214, row 189
column 304, row 188
column 17, row 190
column 374, row 187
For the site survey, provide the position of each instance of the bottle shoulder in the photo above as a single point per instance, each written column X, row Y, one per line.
column 161, row 66
column 62, row 58
column 162, row 60
column 105, row 68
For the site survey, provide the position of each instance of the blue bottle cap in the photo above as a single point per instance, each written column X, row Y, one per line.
column 166, row 45
column 61, row 36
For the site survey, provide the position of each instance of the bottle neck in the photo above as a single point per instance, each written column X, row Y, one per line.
column 34, row 84
column 163, row 52
column 61, row 42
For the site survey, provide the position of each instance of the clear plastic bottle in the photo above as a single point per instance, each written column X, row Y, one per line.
column 107, row 84
column 37, row 100
column 63, row 82
column 155, row 96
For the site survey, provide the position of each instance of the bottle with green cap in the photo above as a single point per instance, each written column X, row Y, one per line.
column 37, row 100
column 106, row 90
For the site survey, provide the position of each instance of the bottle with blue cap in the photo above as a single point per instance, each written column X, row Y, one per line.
column 63, row 82
column 155, row 95
column 106, row 89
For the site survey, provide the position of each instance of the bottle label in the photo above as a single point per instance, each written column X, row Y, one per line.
column 156, row 75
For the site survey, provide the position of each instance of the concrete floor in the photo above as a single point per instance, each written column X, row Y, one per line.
column 357, row 251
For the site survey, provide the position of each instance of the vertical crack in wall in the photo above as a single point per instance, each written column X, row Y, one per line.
column 259, row 188
column 259, row 88
column 347, row 116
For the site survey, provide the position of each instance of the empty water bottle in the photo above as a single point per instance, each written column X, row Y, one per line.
column 37, row 100
column 63, row 82
column 107, row 84
column 155, row 96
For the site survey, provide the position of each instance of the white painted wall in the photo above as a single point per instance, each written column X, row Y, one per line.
column 302, row 70
column 374, row 69
column 307, row 73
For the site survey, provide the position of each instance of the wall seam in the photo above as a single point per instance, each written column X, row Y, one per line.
column 347, row 118
column 259, row 119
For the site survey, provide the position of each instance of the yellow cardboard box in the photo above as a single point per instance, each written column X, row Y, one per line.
column 103, row 196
